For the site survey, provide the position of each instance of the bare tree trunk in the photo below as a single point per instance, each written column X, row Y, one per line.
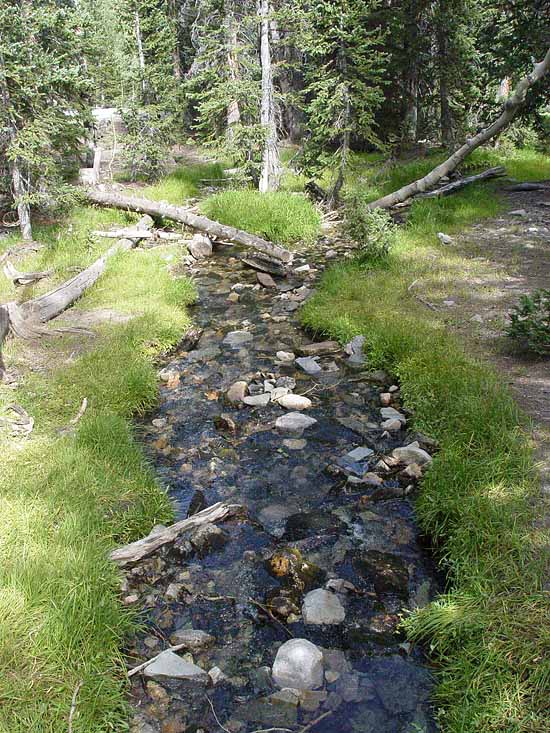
column 233, row 110
column 271, row 166
column 290, row 112
column 173, row 10
column 445, row 112
column 511, row 107
column 23, row 208
column 411, row 74
column 334, row 194
column 141, row 55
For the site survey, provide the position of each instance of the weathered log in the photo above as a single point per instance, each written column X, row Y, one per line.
column 511, row 107
column 529, row 186
column 24, row 278
column 136, row 551
column 455, row 186
column 195, row 221
column 25, row 319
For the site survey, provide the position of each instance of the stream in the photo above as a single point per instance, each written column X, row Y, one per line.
column 327, row 552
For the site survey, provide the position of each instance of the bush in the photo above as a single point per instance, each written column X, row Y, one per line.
column 530, row 321
column 281, row 217
column 374, row 231
column 145, row 144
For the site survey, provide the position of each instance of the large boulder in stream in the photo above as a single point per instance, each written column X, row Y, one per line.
column 298, row 664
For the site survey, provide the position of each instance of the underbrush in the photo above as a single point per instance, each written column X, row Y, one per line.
column 68, row 497
column 487, row 634
column 281, row 217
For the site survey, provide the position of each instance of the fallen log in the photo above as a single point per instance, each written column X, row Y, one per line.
column 184, row 216
column 454, row 186
column 25, row 319
column 157, row 538
column 529, row 186
column 511, row 107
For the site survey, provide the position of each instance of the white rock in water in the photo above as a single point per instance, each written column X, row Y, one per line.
column 286, row 357
column 392, row 425
column 294, row 423
column 236, row 338
column 169, row 664
column 195, row 640
column 237, row 391
column 309, row 364
column 200, row 246
column 518, row 212
column 322, row 607
column 279, row 392
column 298, row 664
column 294, row 402
column 412, row 453
column 389, row 413
column 257, row 400
column 444, row 238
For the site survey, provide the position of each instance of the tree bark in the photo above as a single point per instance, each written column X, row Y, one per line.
column 160, row 209
column 271, row 166
column 511, row 107
column 411, row 73
column 140, row 54
column 443, row 61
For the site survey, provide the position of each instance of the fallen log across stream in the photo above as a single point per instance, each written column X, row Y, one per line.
column 162, row 209
column 25, row 319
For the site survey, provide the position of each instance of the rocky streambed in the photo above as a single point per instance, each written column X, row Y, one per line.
column 285, row 617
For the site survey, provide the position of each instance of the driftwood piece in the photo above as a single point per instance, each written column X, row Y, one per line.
column 511, row 107
column 136, row 551
column 529, row 186
column 24, row 278
column 161, row 209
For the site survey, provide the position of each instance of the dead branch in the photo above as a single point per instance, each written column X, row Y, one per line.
column 161, row 209
column 159, row 537
column 455, row 186
column 73, row 705
column 24, row 278
column 511, row 108
column 135, row 670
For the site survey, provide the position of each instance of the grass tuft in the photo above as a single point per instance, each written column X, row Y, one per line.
column 281, row 217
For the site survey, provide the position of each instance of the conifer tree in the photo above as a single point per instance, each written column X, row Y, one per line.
column 43, row 89
column 343, row 83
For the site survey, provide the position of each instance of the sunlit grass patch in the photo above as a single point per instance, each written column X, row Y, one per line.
column 282, row 217
column 183, row 183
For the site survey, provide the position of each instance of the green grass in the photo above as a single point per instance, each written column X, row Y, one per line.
column 183, row 183
column 282, row 217
column 489, row 634
column 66, row 500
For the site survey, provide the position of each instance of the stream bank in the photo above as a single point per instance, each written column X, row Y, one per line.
column 327, row 550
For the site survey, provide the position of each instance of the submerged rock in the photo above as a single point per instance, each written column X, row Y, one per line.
column 298, row 664
column 257, row 400
column 390, row 413
column 294, row 423
column 195, row 640
column 322, row 607
column 208, row 538
column 309, row 365
column 294, row 402
column 236, row 392
column 237, row 338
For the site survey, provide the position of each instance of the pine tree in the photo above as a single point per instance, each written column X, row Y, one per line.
column 43, row 88
column 343, row 82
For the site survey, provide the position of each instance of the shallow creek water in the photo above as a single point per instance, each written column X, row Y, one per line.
column 307, row 526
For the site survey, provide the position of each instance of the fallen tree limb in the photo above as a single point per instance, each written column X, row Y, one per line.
column 511, row 107
column 184, row 216
column 25, row 319
column 157, row 538
column 454, row 186
column 24, row 278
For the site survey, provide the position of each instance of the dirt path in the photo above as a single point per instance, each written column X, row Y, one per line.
column 513, row 250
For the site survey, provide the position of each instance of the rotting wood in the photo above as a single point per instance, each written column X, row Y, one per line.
column 144, row 547
column 511, row 107
column 162, row 209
